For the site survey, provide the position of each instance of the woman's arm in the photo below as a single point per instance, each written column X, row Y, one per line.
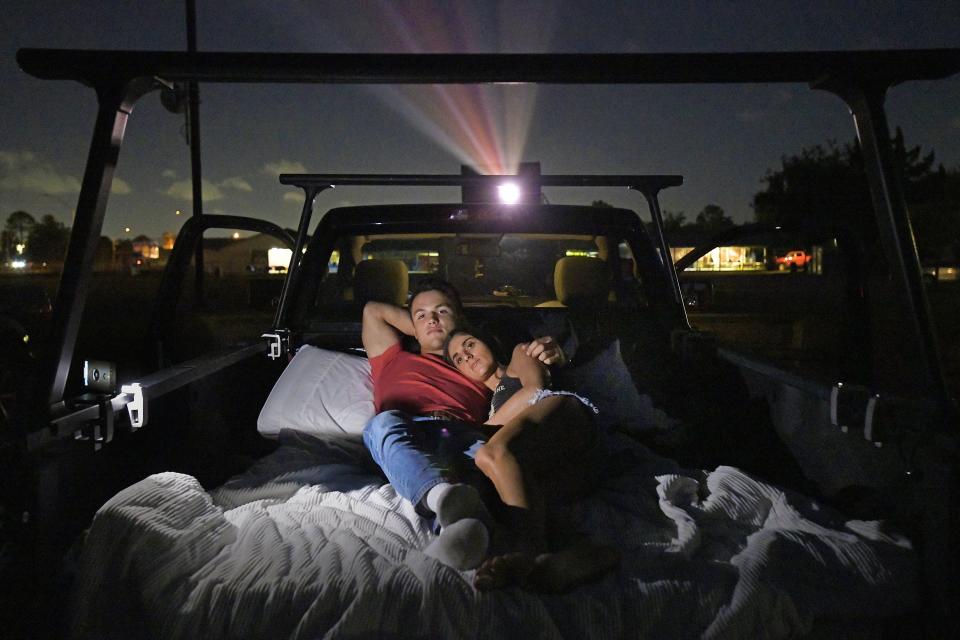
column 533, row 375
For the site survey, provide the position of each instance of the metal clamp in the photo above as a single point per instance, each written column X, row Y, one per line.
column 100, row 430
column 834, row 406
column 278, row 343
column 136, row 408
column 869, row 426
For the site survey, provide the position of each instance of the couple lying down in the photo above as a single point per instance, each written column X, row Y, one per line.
column 453, row 421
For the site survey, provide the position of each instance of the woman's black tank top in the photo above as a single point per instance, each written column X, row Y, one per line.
column 507, row 387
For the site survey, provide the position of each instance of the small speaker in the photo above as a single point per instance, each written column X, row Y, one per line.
column 100, row 376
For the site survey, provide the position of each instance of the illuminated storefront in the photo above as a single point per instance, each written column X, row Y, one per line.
column 752, row 258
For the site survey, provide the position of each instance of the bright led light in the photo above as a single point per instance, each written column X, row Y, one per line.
column 278, row 259
column 18, row 264
column 236, row 235
column 509, row 193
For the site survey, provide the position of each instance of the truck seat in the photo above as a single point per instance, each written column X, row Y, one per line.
column 382, row 281
column 580, row 281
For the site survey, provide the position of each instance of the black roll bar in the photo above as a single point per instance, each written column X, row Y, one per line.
column 312, row 184
column 112, row 67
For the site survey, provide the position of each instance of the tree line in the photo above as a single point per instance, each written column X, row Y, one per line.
column 825, row 185
column 23, row 237
column 819, row 186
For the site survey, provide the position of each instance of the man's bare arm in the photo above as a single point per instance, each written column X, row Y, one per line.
column 383, row 325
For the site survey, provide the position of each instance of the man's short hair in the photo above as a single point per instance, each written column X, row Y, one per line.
column 444, row 287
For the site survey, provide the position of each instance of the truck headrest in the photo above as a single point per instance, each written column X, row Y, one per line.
column 581, row 281
column 381, row 280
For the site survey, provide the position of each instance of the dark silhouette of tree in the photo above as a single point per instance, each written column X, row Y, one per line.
column 826, row 184
column 103, row 258
column 713, row 219
column 817, row 185
column 674, row 221
column 16, row 231
column 48, row 240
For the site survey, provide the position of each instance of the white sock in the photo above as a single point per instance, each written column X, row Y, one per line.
column 433, row 495
column 462, row 545
column 453, row 502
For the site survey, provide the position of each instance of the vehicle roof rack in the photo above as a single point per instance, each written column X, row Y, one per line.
column 313, row 183
column 647, row 183
column 883, row 67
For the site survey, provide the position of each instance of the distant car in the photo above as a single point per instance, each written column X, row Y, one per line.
column 940, row 271
column 794, row 260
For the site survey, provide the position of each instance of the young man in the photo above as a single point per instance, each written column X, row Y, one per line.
column 428, row 430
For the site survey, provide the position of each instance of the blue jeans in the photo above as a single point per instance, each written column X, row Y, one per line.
column 417, row 452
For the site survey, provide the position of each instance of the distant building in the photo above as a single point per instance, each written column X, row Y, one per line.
column 758, row 252
column 242, row 255
column 740, row 257
column 146, row 248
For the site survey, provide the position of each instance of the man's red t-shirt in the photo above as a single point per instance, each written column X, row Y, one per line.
column 419, row 384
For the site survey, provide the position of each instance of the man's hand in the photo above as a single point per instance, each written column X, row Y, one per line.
column 547, row 351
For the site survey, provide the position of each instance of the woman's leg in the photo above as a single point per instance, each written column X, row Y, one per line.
column 539, row 448
column 538, row 445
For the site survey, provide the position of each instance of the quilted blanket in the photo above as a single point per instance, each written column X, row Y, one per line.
column 312, row 543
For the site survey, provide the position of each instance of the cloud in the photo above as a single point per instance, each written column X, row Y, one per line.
column 183, row 190
column 120, row 187
column 283, row 166
column 26, row 171
column 955, row 123
column 169, row 174
column 237, row 183
column 293, row 196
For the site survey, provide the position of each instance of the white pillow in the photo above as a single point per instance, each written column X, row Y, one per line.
column 319, row 392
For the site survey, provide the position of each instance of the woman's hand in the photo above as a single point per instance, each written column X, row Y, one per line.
column 546, row 350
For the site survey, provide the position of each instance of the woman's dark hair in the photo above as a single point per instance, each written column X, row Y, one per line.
column 444, row 287
column 446, row 341
column 492, row 343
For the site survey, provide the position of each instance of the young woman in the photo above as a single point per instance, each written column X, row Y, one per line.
column 540, row 439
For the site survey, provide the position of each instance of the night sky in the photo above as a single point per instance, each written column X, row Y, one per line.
column 721, row 138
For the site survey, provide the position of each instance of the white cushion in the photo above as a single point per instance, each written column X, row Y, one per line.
column 320, row 392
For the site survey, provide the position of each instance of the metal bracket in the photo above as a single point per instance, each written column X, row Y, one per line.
column 100, row 430
column 136, row 408
column 278, row 343
column 869, row 425
column 851, row 412
column 834, row 406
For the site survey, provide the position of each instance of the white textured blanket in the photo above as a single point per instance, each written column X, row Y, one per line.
column 311, row 544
